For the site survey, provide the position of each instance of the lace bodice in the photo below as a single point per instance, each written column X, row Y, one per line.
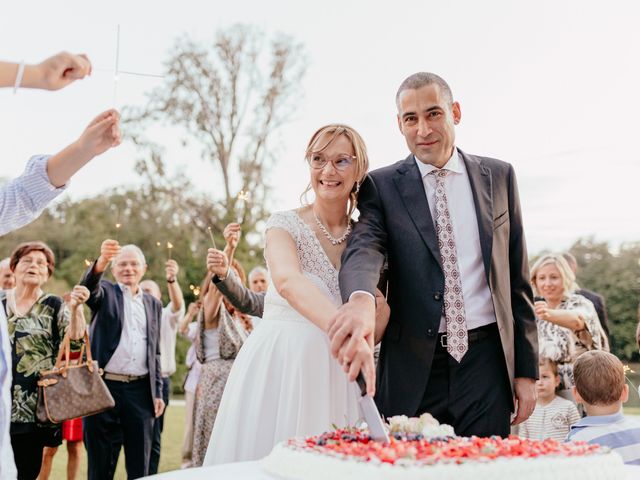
column 313, row 260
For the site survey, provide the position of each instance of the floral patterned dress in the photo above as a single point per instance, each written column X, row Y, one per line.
column 562, row 345
column 35, row 338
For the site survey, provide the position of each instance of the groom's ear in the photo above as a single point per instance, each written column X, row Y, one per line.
column 399, row 123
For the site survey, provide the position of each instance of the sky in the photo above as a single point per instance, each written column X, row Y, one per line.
column 549, row 86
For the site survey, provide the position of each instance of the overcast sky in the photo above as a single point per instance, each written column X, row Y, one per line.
column 550, row 86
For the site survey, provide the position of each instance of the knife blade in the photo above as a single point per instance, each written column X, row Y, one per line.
column 371, row 414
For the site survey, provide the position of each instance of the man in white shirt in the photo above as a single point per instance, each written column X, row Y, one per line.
column 461, row 342
column 45, row 177
column 172, row 313
column 125, row 340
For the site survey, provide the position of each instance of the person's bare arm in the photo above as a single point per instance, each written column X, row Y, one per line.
column 54, row 73
column 102, row 134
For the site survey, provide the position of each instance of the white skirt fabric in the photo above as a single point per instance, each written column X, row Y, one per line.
column 284, row 383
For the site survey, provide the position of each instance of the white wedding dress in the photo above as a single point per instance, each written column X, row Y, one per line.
column 284, row 382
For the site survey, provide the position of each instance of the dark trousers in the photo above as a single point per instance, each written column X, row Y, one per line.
column 473, row 396
column 158, row 426
column 131, row 420
column 27, row 449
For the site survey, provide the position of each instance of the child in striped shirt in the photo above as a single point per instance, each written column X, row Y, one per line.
column 553, row 415
column 600, row 386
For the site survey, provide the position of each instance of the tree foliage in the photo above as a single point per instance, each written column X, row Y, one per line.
column 227, row 100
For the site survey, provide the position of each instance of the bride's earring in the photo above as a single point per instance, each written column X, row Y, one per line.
column 357, row 187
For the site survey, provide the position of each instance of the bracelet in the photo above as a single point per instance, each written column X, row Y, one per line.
column 19, row 76
column 171, row 281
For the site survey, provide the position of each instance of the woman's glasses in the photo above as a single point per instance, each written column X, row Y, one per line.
column 341, row 162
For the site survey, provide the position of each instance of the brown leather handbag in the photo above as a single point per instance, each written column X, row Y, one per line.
column 72, row 391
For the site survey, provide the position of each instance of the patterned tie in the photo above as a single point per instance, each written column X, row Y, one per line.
column 457, row 341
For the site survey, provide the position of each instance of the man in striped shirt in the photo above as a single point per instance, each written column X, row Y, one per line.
column 600, row 386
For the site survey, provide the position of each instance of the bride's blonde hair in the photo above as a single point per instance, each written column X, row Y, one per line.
column 333, row 131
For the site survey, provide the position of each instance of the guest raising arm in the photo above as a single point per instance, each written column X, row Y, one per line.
column 44, row 178
column 125, row 333
column 54, row 73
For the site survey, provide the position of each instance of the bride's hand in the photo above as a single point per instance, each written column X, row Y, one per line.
column 362, row 361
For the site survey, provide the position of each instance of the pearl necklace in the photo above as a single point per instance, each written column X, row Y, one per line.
column 331, row 238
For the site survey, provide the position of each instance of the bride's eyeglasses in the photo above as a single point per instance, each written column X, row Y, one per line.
column 341, row 162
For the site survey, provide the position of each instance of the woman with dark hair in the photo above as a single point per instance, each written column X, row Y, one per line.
column 37, row 323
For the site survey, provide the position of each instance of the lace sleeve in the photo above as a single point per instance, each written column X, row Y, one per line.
column 285, row 221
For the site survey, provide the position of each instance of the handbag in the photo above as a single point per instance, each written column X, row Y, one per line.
column 72, row 391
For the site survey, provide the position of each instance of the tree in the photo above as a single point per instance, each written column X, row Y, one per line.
column 229, row 99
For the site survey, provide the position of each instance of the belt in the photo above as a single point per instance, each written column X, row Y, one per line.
column 117, row 377
column 473, row 336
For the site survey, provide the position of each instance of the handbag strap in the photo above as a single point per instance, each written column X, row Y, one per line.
column 65, row 349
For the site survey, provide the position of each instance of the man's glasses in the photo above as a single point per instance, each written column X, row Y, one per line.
column 342, row 162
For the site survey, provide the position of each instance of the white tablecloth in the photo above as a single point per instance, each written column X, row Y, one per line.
column 229, row 471
column 253, row 471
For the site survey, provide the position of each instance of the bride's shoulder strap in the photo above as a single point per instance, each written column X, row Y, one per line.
column 287, row 220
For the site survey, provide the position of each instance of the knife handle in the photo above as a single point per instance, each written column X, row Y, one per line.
column 361, row 383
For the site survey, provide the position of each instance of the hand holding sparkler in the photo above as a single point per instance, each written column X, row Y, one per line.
column 109, row 250
column 217, row 263
column 171, row 270
column 232, row 234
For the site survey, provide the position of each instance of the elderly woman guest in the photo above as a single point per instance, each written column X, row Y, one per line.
column 37, row 323
column 567, row 322
column 220, row 335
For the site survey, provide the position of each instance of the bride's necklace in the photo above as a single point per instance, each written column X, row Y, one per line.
column 331, row 238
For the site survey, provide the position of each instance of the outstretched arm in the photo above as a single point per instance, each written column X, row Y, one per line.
column 54, row 73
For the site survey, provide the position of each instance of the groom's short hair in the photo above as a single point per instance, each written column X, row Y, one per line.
column 421, row 79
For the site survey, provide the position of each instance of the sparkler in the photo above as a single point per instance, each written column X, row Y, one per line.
column 213, row 242
column 169, row 247
column 243, row 198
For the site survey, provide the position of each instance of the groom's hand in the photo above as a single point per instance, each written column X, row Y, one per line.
column 354, row 321
column 526, row 396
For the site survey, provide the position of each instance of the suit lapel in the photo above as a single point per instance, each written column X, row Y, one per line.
column 408, row 181
column 119, row 312
column 151, row 327
column 480, row 180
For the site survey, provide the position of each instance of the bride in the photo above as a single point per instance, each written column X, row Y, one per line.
column 284, row 382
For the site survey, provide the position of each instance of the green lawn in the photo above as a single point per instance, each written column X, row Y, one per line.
column 170, row 457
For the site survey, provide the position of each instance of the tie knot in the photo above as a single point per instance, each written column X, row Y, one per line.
column 439, row 173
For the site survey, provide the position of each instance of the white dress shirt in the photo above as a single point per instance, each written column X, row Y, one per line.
column 130, row 357
column 21, row 201
column 478, row 304
column 168, row 332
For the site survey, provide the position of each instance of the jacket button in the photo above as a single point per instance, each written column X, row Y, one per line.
column 430, row 332
column 437, row 296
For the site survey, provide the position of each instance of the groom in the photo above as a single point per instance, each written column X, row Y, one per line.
column 461, row 342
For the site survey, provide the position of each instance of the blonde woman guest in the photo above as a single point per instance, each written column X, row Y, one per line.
column 568, row 324
column 284, row 382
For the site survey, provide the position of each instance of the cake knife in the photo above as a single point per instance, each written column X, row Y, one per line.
column 371, row 414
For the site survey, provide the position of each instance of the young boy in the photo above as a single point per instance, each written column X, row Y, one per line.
column 601, row 388
column 553, row 415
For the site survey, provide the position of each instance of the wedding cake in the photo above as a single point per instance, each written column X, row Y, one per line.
column 422, row 449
